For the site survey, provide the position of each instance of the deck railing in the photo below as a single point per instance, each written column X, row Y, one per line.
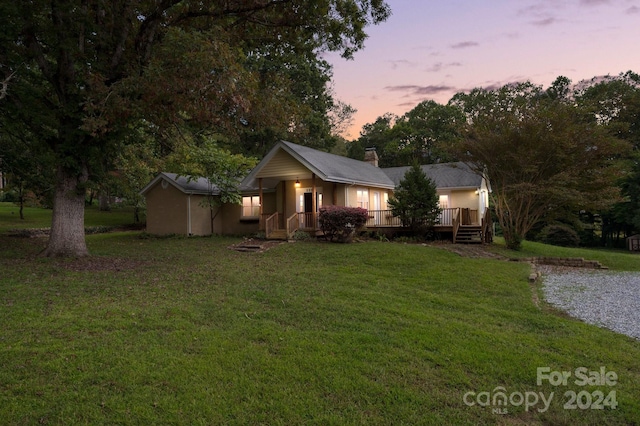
column 377, row 218
column 293, row 224
column 455, row 222
column 271, row 224
column 382, row 218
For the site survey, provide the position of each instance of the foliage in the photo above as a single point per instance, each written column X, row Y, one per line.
column 614, row 102
column 196, row 157
column 540, row 155
column 340, row 223
column 85, row 78
column 373, row 135
column 424, row 134
column 25, row 172
column 300, row 235
column 415, row 200
column 559, row 235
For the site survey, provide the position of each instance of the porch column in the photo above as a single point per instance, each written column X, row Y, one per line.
column 335, row 194
column 284, row 203
column 313, row 199
column 260, row 197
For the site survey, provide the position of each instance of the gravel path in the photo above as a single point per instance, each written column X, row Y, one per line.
column 607, row 299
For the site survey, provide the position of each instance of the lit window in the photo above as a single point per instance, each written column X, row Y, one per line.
column 362, row 198
column 251, row 206
column 444, row 201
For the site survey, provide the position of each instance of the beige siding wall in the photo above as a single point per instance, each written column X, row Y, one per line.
column 466, row 199
column 166, row 210
column 230, row 222
column 200, row 216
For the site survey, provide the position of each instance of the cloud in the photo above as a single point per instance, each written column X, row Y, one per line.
column 594, row 2
column 632, row 10
column 440, row 66
column 401, row 62
column 415, row 90
column 464, row 45
column 544, row 22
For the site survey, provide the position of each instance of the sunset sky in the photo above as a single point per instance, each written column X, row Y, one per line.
column 434, row 49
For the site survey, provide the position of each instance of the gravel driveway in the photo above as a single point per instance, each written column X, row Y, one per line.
column 604, row 298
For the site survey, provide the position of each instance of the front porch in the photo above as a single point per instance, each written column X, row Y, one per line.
column 462, row 223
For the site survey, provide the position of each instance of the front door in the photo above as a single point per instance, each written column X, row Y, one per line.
column 304, row 206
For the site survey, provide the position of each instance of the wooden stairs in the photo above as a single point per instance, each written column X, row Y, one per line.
column 469, row 234
column 278, row 234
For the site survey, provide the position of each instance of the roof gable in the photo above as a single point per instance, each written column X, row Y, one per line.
column 185, row 184
column 288, row 161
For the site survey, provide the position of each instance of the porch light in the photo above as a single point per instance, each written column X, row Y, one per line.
column 477, row 191
column 297, row 184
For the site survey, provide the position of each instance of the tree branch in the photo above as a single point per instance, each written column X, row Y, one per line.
column 5, row 85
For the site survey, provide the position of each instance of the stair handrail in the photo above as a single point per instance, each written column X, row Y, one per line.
column 293, row 224
column 271, row 224
column 455, row 222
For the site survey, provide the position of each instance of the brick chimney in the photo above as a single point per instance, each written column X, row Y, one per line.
column 371, row 156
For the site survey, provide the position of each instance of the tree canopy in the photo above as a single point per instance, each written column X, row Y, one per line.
column 86, row 77
column 423, row 134
column 540, row 154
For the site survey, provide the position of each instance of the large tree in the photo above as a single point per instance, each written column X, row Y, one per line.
column 540, row 154
column 85, row 74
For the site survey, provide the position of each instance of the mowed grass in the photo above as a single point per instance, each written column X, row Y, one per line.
column 35, row 217
column 621, row 260
column 186, row 331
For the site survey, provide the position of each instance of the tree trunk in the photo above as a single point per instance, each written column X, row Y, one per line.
column 104, row 202
column 21, row 199
column 67, row 226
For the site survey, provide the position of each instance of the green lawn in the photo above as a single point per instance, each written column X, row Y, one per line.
column 41, row 218
column 621, row 260
column 186, row 331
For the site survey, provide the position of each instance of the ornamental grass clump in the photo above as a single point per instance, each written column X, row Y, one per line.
column 340, row 223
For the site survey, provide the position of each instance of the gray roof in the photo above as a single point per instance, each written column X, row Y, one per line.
column 184, row 184
column 328, row 167
column 445, row 175
column 334, row 168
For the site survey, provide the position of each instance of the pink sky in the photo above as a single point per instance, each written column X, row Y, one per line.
column 434, row 49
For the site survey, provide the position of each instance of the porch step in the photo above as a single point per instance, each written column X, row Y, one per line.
column 278, row 234
column 469, row 235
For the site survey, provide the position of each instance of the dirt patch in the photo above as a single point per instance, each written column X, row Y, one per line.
column 474, row 251
column 253, row 245
column 96, row 263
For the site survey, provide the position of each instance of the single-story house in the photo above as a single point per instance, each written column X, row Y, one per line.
column 285, row 191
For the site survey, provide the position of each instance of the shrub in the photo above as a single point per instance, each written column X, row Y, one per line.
column 339, row 223
column 559, row 235
column 415, row 200
column 301, row 236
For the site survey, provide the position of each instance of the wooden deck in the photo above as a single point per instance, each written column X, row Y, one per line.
column 460, row 222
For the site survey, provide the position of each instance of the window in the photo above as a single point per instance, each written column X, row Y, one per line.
column 362, row 198
column 444, row 202
column 251, row 206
